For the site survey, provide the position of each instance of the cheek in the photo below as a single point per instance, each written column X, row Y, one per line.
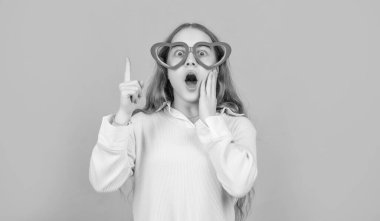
column 171, row 74
column 169, row 60
column 174, row 78
column 214, row 55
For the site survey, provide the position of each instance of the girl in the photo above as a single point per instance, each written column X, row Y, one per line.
column 191, row 149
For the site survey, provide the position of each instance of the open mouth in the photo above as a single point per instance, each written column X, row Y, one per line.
column 191, row 78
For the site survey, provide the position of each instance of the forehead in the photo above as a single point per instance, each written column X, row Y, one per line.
column 191, row 36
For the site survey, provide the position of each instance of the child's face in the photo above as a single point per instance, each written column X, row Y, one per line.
column 177, row 77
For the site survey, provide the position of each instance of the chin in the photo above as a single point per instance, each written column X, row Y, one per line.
column 191, row 98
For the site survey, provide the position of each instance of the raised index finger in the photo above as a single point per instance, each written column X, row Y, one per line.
column 127, row 74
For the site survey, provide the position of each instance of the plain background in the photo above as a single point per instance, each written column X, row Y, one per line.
column 308, row 72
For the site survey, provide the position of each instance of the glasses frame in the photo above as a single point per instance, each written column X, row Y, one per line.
column 156, row 46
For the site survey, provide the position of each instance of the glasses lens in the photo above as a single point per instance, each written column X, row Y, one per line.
column 176, row 55
column 171, row 55
column 210, row 55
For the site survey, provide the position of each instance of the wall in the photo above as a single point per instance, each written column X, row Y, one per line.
column 306, row 70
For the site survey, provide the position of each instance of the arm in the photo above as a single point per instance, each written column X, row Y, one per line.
column 233, row 154
column 113, row 156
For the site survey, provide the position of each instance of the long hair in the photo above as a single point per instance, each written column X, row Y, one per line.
column 160, row 91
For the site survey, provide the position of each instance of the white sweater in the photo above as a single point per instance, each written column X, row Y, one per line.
column 183, row 171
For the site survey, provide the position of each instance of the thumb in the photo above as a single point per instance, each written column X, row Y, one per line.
column 141, row 83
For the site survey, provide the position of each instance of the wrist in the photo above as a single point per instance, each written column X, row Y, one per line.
column 120, row 119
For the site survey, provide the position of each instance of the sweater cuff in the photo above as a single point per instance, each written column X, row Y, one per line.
column 214, row 130
column 113, row 137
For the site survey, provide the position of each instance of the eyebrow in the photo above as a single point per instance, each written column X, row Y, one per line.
column 176, row 46
column 180, row 46
column 206, row 46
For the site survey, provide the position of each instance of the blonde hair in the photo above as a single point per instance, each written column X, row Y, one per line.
column 160, row 91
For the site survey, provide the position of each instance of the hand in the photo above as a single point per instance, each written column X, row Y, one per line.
column 131, row 92
column 207, row 99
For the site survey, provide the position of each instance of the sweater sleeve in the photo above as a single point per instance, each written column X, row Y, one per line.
column 113, row 156
column 233, row 154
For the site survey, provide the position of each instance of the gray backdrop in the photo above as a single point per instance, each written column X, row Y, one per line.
column 307, row 71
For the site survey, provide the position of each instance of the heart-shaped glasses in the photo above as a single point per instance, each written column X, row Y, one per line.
column 173, row 55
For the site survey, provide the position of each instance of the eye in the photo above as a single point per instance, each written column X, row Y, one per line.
column 202, row 53
column 179, row 53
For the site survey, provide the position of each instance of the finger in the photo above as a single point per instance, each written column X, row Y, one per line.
column 133, row 85
column 202, row 88
column 131, row 95
column 209, row 82
column 139, row 92
column 138, row 85
column 141, row 86
column 134, row 90
column 135, row 98
column 141, row 83
column 137, row 88
column 213, row 86
column 127, row 73
column 127, row 94
column 126, row 87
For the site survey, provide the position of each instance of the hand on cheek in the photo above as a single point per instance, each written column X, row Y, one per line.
column 207, row 99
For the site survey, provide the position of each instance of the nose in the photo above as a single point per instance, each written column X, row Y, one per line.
column 190, row 60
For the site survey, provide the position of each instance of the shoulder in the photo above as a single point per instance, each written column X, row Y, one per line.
column 141, row 118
